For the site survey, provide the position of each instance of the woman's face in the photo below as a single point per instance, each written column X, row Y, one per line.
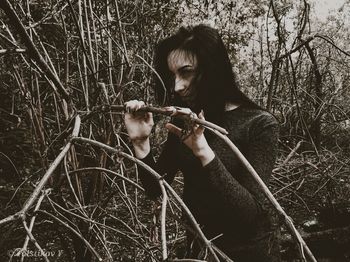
column 183, row 65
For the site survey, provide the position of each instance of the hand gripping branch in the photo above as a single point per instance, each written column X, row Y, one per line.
column 222, row 133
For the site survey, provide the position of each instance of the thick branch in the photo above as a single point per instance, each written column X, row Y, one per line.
column 315, row 128
column 52, row 168
column 30, row 201
column 157, row 110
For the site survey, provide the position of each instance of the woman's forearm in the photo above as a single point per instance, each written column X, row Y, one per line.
column 141, row 147
column 205, row 155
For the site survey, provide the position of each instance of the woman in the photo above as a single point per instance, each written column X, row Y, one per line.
column 196, row 73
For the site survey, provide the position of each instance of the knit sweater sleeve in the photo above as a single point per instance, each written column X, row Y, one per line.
column 166, row 166
column 242, row 199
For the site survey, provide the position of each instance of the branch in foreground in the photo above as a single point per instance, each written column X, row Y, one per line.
column 222, row 134
column 32, row 221
column 163, row 217
column 74, row 231
column 30, row 201
column 101, row 169
column 162, row 111
column 206, row 242
column 90, row 220
column 217, row 130
column 269, row 195
column 31, row 237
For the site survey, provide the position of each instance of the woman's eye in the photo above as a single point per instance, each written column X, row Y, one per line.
column 186, row 71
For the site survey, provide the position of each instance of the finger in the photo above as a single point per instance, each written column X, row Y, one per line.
column 131, row 108
column 149, row 118
column 200, row 129
column 180, row 111
column 173, row 129
column 146, row 117
column 139, row 104
column 171, row 109
column 139, row 114
column 130, row 105
column 127, row 106
column 133, row 105
column 201, row 115
column 184, row 111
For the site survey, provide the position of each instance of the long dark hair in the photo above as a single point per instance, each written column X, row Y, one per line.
column 217, row 84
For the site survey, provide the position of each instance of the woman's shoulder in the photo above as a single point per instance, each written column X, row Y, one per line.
column 252, row 115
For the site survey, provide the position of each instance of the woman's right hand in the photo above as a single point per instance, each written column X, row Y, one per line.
column 139, row 126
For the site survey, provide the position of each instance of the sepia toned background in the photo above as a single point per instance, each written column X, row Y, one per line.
column 60, row 59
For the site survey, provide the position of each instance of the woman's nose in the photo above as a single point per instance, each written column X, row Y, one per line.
column 180, row 85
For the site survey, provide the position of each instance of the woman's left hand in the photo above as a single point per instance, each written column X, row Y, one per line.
column 194, row 138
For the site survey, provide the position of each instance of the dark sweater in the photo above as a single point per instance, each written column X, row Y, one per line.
column 222, row 195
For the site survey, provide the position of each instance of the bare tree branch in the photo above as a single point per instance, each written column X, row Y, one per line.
column 74, row 231
column 206, row 242
column 32, row 50
column 30, row 201
column 268, row 194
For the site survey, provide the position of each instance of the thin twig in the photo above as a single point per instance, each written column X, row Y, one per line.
column 31, row 237
column 162, row 220
column 12, row 51
column 186, row 260
column 101, row 169
column 74, row 231
column 32, row 50
column 32, row 221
